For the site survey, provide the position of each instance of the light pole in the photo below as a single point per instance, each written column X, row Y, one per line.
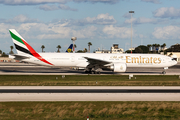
column 73, row 39
column 131, row 28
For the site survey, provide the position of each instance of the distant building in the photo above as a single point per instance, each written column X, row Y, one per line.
column 131, row 48
column 102, row 51
column 114, row 49
column 7, row 59
column 163, row 49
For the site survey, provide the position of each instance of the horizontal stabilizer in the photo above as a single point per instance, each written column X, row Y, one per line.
column 18, row 57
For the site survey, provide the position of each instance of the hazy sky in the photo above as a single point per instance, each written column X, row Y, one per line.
column 101, row 22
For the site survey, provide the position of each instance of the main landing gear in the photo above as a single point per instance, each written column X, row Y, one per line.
column 93, row 71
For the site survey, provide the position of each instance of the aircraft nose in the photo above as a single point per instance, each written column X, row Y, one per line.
column 174, row 62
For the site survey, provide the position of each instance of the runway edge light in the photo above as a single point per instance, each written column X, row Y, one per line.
column 130, row 76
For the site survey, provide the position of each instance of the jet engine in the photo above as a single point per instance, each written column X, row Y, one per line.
column 116, row 67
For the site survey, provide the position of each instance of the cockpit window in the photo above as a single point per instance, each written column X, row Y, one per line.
column 174, row 59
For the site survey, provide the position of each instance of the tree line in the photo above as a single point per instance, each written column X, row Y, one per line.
column 3, row 54
column 150, row 48
column 79, row 51
column 155, row 48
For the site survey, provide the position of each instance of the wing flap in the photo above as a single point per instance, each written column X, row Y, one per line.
column 93, row 61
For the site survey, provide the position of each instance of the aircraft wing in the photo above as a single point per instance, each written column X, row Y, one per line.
column 93, row 61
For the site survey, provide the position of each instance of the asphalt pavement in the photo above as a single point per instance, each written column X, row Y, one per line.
column 31, row 69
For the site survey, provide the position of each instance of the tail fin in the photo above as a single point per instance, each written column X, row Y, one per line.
column 69, row 50
column 23, row 48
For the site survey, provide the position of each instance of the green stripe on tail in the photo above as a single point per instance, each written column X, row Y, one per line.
column 16, row 38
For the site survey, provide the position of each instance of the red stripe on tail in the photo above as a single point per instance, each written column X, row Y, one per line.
column 35, row 54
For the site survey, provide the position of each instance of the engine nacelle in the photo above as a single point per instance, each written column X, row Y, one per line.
column 116, row 67
column 119, row 67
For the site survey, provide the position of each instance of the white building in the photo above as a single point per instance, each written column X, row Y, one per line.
column 114, row 49
column 131, row 48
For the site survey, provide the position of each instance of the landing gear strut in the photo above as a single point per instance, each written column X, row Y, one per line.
column 164, row 72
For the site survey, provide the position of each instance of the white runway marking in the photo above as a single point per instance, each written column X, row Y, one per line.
column 90, row 97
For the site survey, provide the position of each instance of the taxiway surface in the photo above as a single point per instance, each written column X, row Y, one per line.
column 77, row 93
column 30, row 69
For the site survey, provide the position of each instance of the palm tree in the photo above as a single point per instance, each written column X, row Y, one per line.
column 154, row 47
column 11, row 52
column 158, row 45
column 161, row 47
column 164, row 45
column 149, row 46
column 42, row 47
column 11, row 48
column 89, row 44
column 58, row 47
column 85, row 50
column 4, row 55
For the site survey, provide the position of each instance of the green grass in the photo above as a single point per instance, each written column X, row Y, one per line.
column 89, row 80
column 95, row 110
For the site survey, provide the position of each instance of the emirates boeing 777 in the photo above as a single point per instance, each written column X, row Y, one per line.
column 92, row 62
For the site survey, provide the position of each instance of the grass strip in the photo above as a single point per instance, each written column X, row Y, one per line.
column 89, row 80
column 95, row 110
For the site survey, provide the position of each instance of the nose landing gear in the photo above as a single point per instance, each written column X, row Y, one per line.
column 164, row 71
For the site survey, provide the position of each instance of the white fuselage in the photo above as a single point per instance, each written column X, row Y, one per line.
column 78, row 60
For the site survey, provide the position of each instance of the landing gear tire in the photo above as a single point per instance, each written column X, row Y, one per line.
column 164, row 72
column 87, row 71
column 95, row 72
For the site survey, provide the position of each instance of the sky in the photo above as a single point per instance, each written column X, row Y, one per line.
column 101, row 22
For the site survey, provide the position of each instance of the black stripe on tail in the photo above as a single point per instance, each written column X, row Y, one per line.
column 22, row 49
